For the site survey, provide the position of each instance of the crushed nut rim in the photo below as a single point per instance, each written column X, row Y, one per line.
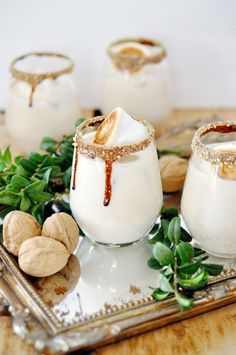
column 36, row 78
column 135, row 63
column 211, row 155
column 110, row 152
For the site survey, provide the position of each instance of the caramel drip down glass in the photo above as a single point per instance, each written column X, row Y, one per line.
column 116, row 192
column 34, row 79
column 43, row 99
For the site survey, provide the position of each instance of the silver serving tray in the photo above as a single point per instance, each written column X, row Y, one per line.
column 108, row 298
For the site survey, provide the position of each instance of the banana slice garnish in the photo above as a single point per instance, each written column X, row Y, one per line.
column 107, row 128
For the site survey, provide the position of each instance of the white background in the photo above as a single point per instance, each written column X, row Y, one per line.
column 200, row 36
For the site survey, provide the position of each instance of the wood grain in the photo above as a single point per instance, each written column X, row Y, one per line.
column 212, row 333
column 10, row 344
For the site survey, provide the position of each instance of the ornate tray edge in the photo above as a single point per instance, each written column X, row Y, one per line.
column 34, row 321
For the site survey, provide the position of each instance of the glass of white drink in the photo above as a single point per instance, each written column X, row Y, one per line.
column 208, row 201
column 138, row 79
column 116, row 192
column 43, row 99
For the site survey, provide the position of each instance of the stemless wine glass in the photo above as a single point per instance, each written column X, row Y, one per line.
column 138, row 79
column 116, row 192
column 208, row 201
column 43, row 99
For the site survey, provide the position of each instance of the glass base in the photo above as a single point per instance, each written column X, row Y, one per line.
column 111, row 245
column 218, row 255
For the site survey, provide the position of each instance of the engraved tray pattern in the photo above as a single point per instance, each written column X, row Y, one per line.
column 40, row 324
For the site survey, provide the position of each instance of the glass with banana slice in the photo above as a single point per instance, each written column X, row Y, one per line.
column 138, row 79
column 208, row 201
column 116, row 192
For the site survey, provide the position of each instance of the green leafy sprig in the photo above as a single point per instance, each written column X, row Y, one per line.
column 30, row 184
column 181, row 265
column 179, row 153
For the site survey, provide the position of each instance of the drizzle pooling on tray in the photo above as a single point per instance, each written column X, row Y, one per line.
column 118, row 128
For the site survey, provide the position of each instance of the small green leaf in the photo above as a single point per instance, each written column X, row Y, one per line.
column 19, row 182
column 48, row 144
column 168, row 271
column 198, row 251
column 166, row 242
column 35, row 188
column 165, row 285
column 163, row 254
column 184, row 302
column 41, row 196
column 174, row 230
column 2, row 166
column 48, row 161
column 169, row 213
column 36, row 158
column 158, row 237
column 46, row 176
column 159, row 295
column 190, row 268
column 37, row 211
column 179, row 153
column 154, row 229
column 67, row 150
column 5, row 211
column 194, row 282
column 29, row 166
column 213, row 269
column 67, row 177
column 79, row 121
column 65, row 206
column 33, row 179
column 165, row 224
column 201, row 257
column 25, row 203
column 185, row 236
column 18, row 159
column 57, row 160
column 21, row 171
column 9, row 187
column 185, row 251
column 7, row 155
column 9, row 198
column 55, row 170
column 154, row 264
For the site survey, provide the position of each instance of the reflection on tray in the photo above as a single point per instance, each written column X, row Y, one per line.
column 106, row 277
column 97, row 278
column 53, row 289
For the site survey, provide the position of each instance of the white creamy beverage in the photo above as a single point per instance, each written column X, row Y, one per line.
column 143, row 91
column 208, row 203
column 117, row 203
column 50, row 109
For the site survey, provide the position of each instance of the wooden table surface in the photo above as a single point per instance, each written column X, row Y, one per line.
column 212, row 333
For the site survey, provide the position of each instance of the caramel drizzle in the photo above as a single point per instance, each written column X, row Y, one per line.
column 109, row 156
column 75, row 167
column 34, row 79
column 108, row 175
column 31, row 95
column 108, row 187
column 108, row 172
